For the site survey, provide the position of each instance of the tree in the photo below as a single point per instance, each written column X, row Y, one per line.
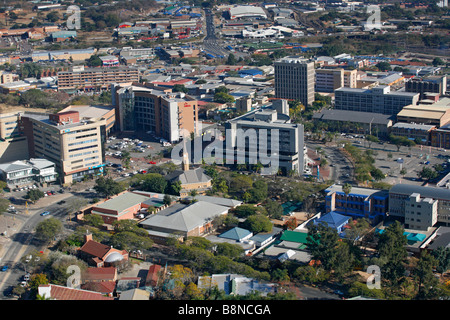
column 34, row 195
column 107, row 187
column 128, row 240
column 357, row 230
column 392, row 252
column 438, row 62
column 94, row 61
column 36, row 280
column 371, row 139
column 377, row 174
column 258, row 191
column 347, row 188
column 94, row 220
column 274, row 209
column 229, row 250
column 322, row 242
column 167, row 200
column 126, row 159
column 231, row 60
column 424, row 277
column 258, row 223
column 442, row 255
column 154, row 182
column 180, row 88
column 383, row 66
column 4, row 204
column 48, row 229
column 343, row 260
column 427, row 173
column 222, row 97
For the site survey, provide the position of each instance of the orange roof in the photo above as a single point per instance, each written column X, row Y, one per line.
column 65, row 293
column 92, row 274
column 104, row 287
column 95, row 249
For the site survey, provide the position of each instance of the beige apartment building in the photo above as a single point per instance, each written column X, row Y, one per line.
column 93, row 79
column 71, row 139
column 328, row 80
column 350, row 78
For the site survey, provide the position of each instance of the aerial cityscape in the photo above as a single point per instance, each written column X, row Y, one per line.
column 224, row 151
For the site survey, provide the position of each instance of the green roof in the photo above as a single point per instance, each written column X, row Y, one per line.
column 294, row 236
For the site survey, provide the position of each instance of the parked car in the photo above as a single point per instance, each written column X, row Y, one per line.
column 5, row 268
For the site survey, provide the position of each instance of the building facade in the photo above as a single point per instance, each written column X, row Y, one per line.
column 328, row 80
column 166, row 114
column 422, row 85
column 402, row 197
column 250, row 140
column 378, row 100
column 359, row 203
column 88, row 79
column 294, row 79
column 73, row 143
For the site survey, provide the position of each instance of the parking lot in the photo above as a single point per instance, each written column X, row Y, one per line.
column 144, row 152
column 391, row 162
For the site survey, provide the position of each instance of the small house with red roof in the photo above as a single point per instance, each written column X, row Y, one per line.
column 56, row 292
column 100, row 255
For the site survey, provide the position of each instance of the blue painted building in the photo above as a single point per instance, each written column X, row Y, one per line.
column 372, row 204
column 333, row 220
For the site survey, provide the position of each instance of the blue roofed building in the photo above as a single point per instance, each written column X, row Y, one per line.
column 237, row 234
column 368, row 203
column 250, row 72
column 333, row 220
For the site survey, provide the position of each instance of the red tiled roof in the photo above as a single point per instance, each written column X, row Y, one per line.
column 105, row 287
column 407, row 63
column 95, row 249
column 96, row 274
column 65, row 293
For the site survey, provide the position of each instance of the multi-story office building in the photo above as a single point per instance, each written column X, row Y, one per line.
column 249, row 139
column 71, row 139
column 294, row 79
column 350, row 78
column 378, row 99
column 413, row 131
column 166, row 114
column 328, row 80
column 422, row 85
column 418, row 203
column 27, row 172
column 89, row 79
column 74, row 54
column 371, row 204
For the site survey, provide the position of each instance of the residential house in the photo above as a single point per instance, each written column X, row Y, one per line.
column 134, row 294
column 234, row 284
column 100, row 255
column 333, row 220
column 194, row 219
column 57, row 292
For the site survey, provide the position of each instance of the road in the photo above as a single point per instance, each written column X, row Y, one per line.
column 341, row 168
column 23, row 241
column 211, row 43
